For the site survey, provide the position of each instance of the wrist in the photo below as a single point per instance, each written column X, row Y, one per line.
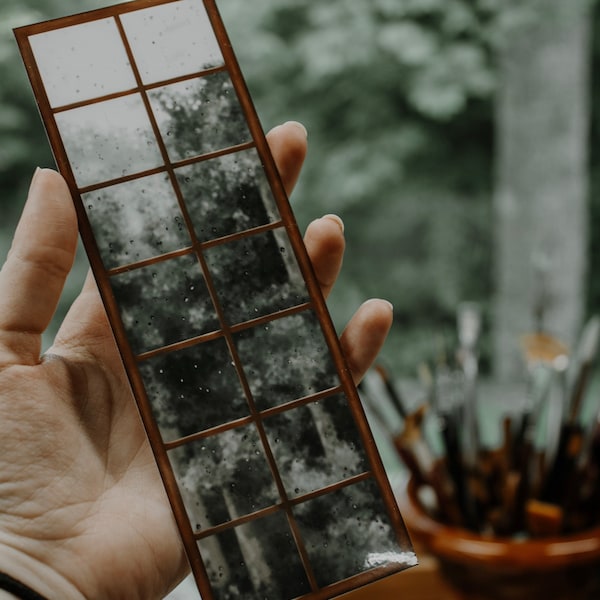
column 12, row 588
column 36, row 573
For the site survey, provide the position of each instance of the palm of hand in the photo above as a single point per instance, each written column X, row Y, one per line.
column 82, row 487
column 83, row 513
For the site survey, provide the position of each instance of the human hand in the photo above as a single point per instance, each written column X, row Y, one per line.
column 83, row 513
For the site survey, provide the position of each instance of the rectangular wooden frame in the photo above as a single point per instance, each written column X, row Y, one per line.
column 130, row 360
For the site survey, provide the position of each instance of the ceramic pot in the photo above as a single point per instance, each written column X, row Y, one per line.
column 491, row 568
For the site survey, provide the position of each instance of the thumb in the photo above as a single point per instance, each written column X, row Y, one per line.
column 41, row 256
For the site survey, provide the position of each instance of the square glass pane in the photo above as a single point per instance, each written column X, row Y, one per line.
column 109, row 140
column 164, row 303
column 316, row 445
column 199, row 116
column 136, row 220
column 172, row 40
column 286, row 359
column 227, row 194
column 224, row 477
column 256, row 276
column 348, row 532
column 255, row 561
column 82, row 62
column 193, row 389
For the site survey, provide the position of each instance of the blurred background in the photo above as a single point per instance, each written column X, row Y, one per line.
column 456, row 138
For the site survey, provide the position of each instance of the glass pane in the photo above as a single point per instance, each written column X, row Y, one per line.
column 347, row 532
column 172, row 40
column 193, row 389
column 224, row 477
column 286, row 359
column 316, row 445
column 227, row 194
column 109, row 140
column 199, row 116
column 165, row 303
column 256, row 276
column 82, row 62
column 255, row 561
column 136, row 220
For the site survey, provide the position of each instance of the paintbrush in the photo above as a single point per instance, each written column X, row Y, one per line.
column 582, row 367
column 469, row 326
column 413, row 447
column 407, row 438
column 546, row 359
column 393, row 393
column 570, row 434
column 449, row 397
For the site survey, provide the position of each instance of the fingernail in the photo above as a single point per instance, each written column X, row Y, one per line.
column 299, row 125
column 34, row 177
column 391, row 306
column 337, row 219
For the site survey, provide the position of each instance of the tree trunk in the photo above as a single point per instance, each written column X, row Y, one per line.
column 542, row 176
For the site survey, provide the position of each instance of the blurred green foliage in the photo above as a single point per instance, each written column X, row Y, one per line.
column 397, row 96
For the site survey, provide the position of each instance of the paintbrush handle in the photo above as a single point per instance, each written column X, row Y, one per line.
column 393, row 393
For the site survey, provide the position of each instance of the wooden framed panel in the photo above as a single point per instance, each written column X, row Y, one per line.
column 258, row 432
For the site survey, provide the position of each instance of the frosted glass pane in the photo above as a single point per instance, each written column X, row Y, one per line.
column 82, row 62
column 172, row 40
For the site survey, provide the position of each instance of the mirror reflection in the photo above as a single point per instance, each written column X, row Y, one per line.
column 136, row 220
column 286, row 359
column 164, row 303
column 347, row 532
column 82, row 62
column 227, row 194
column 109, row 140
column 224, row 477
column 255, row 561
column 199, row 116
column 172, row 40
column 256, row 276
column 194, row 389
column 316, row 445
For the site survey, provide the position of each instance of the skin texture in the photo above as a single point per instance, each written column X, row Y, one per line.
column 83, row 513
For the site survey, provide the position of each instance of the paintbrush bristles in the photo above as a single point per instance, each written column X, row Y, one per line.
column 544, row 479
